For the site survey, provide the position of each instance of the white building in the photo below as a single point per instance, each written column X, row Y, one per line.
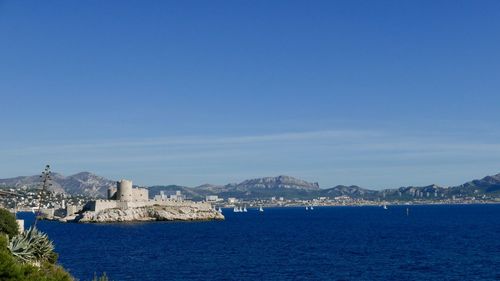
column 212, row 198
column 178, row 196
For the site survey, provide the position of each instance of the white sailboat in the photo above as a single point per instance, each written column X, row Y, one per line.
column 311, row 208
column 385, row 207
column 261, row 209
column 220, row 210
column 307, row 208
column 245, row 209
column 236, row 210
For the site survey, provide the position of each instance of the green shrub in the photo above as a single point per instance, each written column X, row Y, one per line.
column 32, row 246
column 8, row 224
column 12, row 270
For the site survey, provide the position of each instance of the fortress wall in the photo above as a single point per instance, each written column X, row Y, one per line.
column 72, row 209
column 140, row 194
column 186, row 203
column 166, row 203
column 100, row 205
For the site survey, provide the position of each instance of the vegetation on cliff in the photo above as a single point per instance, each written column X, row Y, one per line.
column 8, row 223
column 28, row 256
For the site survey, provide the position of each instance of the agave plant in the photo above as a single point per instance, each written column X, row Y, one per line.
column 32, row 246
column 42, row 246
column 21, row 248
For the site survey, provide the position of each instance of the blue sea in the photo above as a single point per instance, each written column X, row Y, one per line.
column 458, row 242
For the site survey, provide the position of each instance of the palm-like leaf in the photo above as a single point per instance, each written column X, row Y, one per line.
column 20, row 247
column 42, row 246
column 31, row 246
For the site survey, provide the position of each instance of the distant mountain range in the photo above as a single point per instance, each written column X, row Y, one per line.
column 84, row 183
column 88, row 184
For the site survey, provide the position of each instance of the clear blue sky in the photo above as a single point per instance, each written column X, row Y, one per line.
column 375, row 93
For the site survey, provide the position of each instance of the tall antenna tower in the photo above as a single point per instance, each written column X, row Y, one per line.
column 45, row 182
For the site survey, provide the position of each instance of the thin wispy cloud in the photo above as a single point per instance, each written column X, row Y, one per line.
column 359, row 140
column 200, row 140
column 328, row 156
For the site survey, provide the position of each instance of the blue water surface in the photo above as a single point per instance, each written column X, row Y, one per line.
column 460, row 242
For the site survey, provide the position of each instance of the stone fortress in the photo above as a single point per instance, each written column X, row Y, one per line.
column 125, row 192
column 127, row 204
column 125, row 196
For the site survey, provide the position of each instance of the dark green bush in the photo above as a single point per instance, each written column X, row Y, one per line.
column 8, row 223
column 12, row 270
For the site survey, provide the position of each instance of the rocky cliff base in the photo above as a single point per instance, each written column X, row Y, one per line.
column 151, row 213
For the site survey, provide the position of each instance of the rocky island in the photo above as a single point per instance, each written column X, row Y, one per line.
column 128, row 204
column 151, row 213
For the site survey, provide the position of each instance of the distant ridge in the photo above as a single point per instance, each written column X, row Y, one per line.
column 89, row 184
column 252, row 188
column 284, row 182
column 353, row 191
column 84, row 183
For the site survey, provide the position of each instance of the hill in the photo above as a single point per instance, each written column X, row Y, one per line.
column 249, row 189
column 81, row 183
column 280, row 186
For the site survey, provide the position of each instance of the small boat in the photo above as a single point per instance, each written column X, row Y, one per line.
column 236, row 210
column 220, row 210
column 307, row 208
column 245, row 209
column 261, row 209
column 311, row 208
column 385, row 207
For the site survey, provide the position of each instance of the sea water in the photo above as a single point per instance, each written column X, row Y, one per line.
column 446, row 242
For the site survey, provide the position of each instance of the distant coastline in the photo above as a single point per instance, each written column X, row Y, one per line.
column 69, row 197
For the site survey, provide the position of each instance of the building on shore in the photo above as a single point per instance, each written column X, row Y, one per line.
column 73, row 209
column 213, row 198
column 177, row 196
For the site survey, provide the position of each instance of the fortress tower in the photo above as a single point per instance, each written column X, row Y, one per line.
column 124, row 191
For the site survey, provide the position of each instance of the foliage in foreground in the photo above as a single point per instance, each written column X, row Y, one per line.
column 29, row 256
column 32, row 246
column 38, row 247
column 12, row 270
column 8, row 223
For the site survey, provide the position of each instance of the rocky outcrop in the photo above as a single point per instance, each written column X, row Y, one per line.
column 151, row 213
